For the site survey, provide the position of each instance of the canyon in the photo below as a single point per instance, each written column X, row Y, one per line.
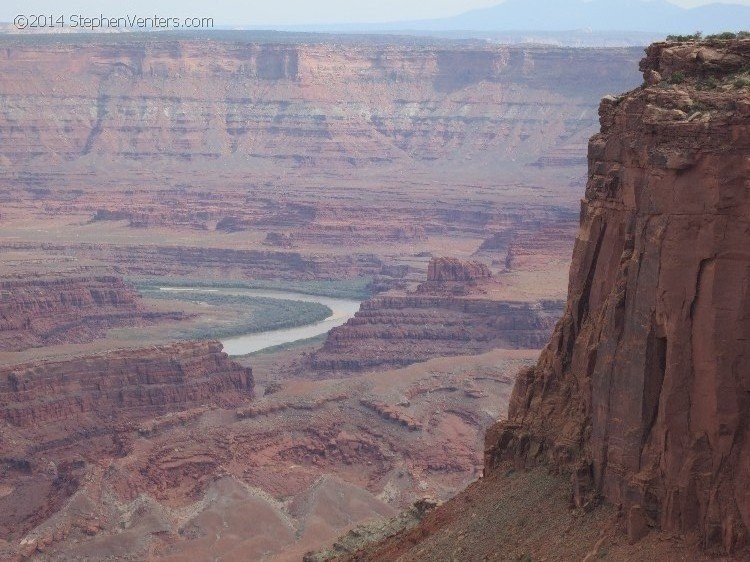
column 452, row 313
column 436, row 181
column 125, row 98
column 61, row 417
column 277, row 156
column 116, row 464
column 631, row 429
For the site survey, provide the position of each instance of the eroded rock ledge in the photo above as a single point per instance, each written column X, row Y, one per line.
column 51, row 310
column 120, row 386
column 399, row 330
column 644, row 389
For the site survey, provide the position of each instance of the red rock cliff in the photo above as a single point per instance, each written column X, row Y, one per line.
column 644, row 387
column 400, row 330
column 183, row 101
column 452, row 269
column 121, row 385
column 44, row 311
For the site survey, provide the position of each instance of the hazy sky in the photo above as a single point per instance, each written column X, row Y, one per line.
column 261, row 12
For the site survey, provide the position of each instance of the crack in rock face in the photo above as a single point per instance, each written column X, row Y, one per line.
column 644, row 388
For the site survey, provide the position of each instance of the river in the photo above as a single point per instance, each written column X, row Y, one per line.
column 343, row 309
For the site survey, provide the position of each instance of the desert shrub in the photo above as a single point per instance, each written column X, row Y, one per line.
column 709, row 83
column 728, row 35
column 677, row 77
column 725, row 36
column 682, row 38
column 741, row 82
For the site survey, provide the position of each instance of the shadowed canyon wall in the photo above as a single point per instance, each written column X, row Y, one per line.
column 645, row 385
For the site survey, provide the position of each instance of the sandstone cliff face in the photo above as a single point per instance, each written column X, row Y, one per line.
column 451, row 276
column 47, row 311
column 645, row 385
column 451, row 269
column 158, row 261
column 305, row 105
column 61, row 419
column 404, row 329
column 120, row 386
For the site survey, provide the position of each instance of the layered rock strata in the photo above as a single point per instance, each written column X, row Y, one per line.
column 247, row 99
column 644, row 388
column 124, row 385
column 404, row 329
column 61, row 419
column 441, row 270
column 45, row 311
column 453, row 276
column 92, row 486
column 165, row 261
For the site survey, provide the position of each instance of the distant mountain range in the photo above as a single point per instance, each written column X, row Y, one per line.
column 653, row 16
